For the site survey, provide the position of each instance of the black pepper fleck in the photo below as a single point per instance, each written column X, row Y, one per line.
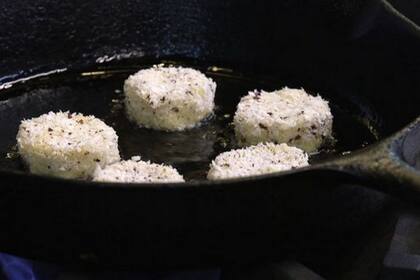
column 263, row 126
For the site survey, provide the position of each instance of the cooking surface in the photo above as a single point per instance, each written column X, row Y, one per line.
column 99, row 92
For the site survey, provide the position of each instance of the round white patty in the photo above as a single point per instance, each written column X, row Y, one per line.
column 137, row 171
column 283, row 116
column 66, row 145
column 169, row 98
column 256, row 160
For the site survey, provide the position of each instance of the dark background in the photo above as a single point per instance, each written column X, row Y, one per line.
column 327, row 43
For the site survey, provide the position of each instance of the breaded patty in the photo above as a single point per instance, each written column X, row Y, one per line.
column 137, row 171
column 283, row 116
column 256, row 160
column 169, row 98
column 66, row 145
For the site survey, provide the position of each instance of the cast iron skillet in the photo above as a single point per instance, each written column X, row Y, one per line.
column 345, row 52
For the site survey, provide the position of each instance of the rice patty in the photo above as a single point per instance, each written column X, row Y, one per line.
column 263, row 158
column 169, row 98
column 283, row 116
column 66, row 145
column 137, row 171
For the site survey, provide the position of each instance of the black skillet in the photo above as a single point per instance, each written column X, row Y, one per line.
column 360, row 55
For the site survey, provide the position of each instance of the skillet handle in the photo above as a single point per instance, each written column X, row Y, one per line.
column 391, row 166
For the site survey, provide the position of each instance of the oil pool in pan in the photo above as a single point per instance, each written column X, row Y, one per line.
column 99, row 92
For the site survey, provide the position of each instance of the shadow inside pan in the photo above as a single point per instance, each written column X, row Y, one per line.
column 99, row 92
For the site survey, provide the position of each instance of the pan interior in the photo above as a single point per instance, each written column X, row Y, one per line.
column 98, row 91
